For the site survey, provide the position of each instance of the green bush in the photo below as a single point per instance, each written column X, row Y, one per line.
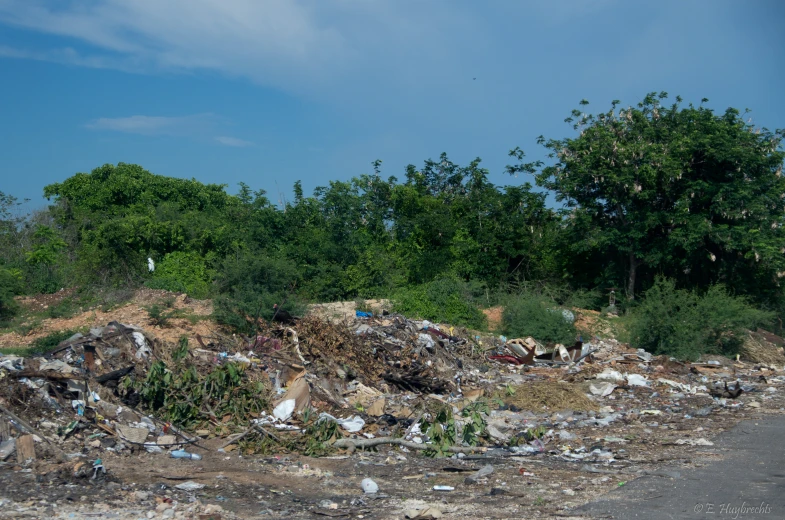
column 536, row 316
column 9, row 286
column 685, row 324
column 584, row 299
column 185, row 272
column 446, row 299
column 250, row 285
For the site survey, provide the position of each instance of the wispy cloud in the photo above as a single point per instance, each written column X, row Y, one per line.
column 154, row 125
column 343, row 52
column 70, row 56
column 300, row 46
column 233, row 141
column 272, row 42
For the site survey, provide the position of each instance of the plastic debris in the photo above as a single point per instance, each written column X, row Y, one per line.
column 351, row 425
column 369, row 486
column 182, row 454
column 284, row 410
column 190, row 486
column 483, row 472
column 602, row 389
column 695, row 442
column 637, row 380
column 610, row 375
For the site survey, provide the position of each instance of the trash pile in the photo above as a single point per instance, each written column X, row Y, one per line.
column 316, row 387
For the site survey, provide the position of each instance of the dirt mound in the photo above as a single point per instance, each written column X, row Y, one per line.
column 494, row 316
column 186, row 316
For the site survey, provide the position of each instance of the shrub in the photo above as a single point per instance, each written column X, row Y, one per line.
column 9, row 285
column 250, row 285
column 185, row 272
column 159, row 315
column 446, row 299
column 685, row 324
column 584, row 299
column 536, row 316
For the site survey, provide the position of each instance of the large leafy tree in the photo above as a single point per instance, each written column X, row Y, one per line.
column 682, row 191
column 117, row 216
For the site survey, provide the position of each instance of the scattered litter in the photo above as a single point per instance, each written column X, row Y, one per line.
column 7, row 448
column 182, row 454
column 610, row 375
column 369, row 486
column 190, row 486
column 602, row 389
column 637, row 380
column 284, row 410
column 351, row 425
column 695, row 442
column 384, row 380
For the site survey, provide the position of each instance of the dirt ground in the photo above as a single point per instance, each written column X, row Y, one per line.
column 142, row 485
column 494, row 315
column 132, row 313
column 591, row 443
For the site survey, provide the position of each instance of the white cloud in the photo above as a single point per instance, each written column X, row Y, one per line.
column 273, row 42
column 233, row 141
column 70, row 56
column 372, row 57
column 154, row 125
column 313, row 47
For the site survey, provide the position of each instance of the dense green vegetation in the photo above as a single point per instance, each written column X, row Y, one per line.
column 686, row 324
column 536, row 316
column 655, row 191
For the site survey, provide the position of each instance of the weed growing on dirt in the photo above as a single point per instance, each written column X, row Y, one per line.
column 361, row 305
column 475, row 426
column 318, row 437
column 184, row 396
column 159, row 315
column 442, row 432
column 41, row 346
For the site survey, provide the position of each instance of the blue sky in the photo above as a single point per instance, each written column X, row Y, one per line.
column 271, row 91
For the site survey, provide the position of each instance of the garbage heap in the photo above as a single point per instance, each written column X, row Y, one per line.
column 315, row 387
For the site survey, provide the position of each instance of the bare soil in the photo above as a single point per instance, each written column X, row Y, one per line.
column 132, row 313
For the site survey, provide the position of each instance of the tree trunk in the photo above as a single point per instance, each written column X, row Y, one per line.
column 631, row 281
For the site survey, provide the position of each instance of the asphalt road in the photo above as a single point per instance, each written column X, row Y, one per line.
column 748, row 482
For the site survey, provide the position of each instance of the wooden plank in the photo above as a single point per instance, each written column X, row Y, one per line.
column 25, row 448
column 5, row 430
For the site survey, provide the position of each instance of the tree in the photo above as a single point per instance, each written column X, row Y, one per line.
column 684, row 192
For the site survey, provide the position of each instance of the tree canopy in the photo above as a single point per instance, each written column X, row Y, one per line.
column 666, row 189
column 655, row 190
